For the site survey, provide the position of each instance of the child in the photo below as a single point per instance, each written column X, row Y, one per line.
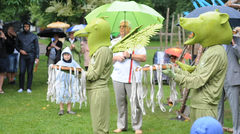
column 65, row 80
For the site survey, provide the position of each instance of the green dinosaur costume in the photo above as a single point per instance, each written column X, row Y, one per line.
column 210, row 29
column 99, row 70
column 75, row 51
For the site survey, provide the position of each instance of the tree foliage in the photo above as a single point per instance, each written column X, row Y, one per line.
column 43, row 12
column 15, row 10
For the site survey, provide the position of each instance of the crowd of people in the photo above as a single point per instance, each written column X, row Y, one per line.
column 25, row 47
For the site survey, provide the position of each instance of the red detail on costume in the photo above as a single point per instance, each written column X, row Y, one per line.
column 130, row 73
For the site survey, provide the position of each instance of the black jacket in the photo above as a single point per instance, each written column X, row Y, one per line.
column 59, row 44
column 58, row 53
column 28, row 42
column 3, row 51
column 10, row 44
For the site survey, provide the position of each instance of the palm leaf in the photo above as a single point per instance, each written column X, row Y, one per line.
column 137, row 39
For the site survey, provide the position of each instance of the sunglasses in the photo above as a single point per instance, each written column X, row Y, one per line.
column 124, row 26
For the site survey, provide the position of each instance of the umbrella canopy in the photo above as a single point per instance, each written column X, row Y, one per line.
column 17, row 26
column 58, row 24
column 177, row 52
column 137, row 14
column 51, row 31
column 233, row 13
column 76, row 28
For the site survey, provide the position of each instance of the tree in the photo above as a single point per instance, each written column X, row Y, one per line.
column 15, row 10
column 75, row 10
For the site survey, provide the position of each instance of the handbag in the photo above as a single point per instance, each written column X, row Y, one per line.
column 47, row 52
column 58, row 56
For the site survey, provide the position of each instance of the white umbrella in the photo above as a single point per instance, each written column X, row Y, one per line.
column 76, row 28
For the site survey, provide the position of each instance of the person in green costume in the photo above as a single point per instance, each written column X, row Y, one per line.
column 74, row 45
column 210, row 29
column 99, row 70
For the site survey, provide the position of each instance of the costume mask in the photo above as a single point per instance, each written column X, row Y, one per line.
column 98, row 34
column 210, row 28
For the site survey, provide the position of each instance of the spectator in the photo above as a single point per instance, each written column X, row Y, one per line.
column 173, row 59
column 12, row 55
column 27, row 45
column 231, row 87
column 54, row 49
column 124, row 63
column 85, row 50
column 74, row 45
column 3, row 58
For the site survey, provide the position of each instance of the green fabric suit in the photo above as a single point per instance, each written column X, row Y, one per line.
column 99, row 70
column 76, row 51
column 206, row 82
column 97, row 76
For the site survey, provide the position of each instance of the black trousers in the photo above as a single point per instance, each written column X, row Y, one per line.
column 26, row 63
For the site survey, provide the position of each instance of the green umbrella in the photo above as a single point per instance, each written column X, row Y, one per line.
column 137, row 14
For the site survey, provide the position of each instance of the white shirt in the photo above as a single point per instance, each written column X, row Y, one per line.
column 71, row 40
column 122, row 71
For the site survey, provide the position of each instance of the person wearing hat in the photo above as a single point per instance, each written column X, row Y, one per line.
column 28, row 47
column 3, row 58
column 231, row 86
column 75, row 46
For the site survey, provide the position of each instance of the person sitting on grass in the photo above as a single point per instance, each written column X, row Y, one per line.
column 65, row 80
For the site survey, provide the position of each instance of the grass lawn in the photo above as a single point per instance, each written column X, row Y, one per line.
column 28, row 113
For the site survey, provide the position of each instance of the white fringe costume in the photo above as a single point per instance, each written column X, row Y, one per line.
column 66, row 87
column 140, row 89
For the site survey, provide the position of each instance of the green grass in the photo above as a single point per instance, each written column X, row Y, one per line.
column 44, row 41
column 24, row 113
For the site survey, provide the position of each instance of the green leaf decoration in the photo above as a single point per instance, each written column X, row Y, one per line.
column 137, row 39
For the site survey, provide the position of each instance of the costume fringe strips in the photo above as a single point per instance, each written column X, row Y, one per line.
column 78, row 88
column 140, row 89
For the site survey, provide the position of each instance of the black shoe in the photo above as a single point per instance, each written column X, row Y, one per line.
column 12, row 82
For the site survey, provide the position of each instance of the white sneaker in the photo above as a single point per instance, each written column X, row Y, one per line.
column 29, row 91
column 20, row 90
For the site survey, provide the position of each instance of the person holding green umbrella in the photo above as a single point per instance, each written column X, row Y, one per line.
column 124, row 63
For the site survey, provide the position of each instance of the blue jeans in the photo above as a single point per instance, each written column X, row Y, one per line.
column 3, row 64
column 12, row 62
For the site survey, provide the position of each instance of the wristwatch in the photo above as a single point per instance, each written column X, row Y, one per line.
column 130, row 57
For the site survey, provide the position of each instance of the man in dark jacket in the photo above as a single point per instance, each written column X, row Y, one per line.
column 27, row 45
column 3, row 58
